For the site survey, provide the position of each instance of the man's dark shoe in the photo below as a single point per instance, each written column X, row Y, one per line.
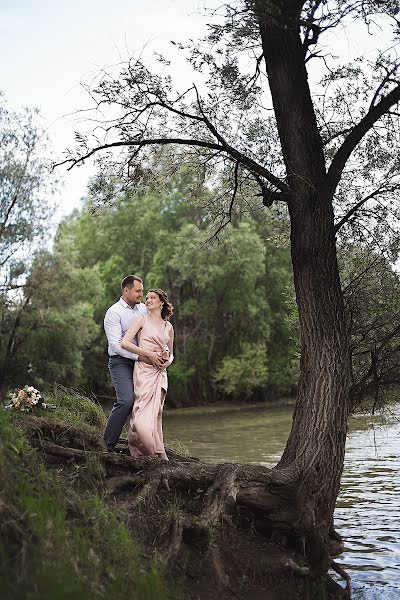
column 114, row 449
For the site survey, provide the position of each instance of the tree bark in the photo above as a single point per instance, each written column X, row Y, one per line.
column 316, row 445
column 314, row 454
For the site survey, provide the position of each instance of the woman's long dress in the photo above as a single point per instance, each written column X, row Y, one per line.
column 145, row 436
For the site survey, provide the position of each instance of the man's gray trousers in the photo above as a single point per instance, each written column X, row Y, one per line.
column 121, row 371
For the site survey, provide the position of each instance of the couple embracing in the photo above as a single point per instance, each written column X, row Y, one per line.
column 140, row 348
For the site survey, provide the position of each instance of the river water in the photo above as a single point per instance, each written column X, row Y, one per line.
column 368, row 508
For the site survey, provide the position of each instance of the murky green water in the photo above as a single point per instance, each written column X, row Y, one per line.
column 368, row 508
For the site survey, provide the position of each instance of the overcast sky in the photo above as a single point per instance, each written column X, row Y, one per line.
column 48, row 46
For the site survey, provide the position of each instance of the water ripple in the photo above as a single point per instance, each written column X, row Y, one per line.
column 368, row 508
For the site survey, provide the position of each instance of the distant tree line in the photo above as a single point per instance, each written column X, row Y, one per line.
column 232, row 299
column 236, row 321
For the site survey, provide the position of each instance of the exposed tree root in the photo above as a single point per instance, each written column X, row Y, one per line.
column 222, row 492
column 148, row 491
column 120, row 484
column 175, row 540
column 307, row 571
column 196, row 503
column 340, row 571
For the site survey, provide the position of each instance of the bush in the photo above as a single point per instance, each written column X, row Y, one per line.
column 243, row 374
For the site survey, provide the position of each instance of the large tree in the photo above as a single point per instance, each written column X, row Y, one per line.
column 297, row 157
column 26, row 185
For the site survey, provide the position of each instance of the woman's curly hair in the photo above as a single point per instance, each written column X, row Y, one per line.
column 167, row 308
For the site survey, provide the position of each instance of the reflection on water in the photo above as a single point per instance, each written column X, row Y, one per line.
column 368, row 507
column 253, row 435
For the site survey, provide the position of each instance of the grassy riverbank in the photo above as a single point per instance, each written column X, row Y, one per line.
column 78, row 523
column 60, row 538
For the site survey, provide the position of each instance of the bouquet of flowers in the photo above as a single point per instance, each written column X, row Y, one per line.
column 27, row 399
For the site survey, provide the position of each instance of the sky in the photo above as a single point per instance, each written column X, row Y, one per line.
column 47, row 47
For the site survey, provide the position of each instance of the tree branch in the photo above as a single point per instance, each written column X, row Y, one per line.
column 248, row 162
column 383, row 83
column 359, row 204
column 233, row 153
column 355, row 136
column 157, row 141
column 226, row 217
column 269, row 195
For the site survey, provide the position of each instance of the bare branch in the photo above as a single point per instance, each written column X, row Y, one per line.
column 235, row 189
column 356, row 207
column 386, row 80
column 269, row 195
column 311, row 27
column 226, row 217
column 222, row 145
column 257, row 71
column 248, row 162
column 157, row 141
column 355, row 136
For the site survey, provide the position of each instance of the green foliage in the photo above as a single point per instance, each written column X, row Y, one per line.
column 229, row 297
column 26, row 186
column 218, row 289
column 372, row 297
column 55, row 544
column 227, row 293
column 239, row 375
column 282, row 350
column 48, row 329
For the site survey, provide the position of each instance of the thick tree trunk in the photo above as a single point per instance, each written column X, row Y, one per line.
column 316, row 445
column 314, row 454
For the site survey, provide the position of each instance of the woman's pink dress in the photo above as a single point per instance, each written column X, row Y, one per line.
column 145, row 436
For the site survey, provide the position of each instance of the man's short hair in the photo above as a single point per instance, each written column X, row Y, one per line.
column 129, row 281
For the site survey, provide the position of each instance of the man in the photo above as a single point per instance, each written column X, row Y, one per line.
column 117, row 321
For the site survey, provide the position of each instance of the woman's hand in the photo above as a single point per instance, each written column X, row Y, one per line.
column 156, row 359
column 168, row 358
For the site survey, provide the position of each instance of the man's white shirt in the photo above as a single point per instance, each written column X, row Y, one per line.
column 117, row 321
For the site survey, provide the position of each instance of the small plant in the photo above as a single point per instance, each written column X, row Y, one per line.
column 178, row 446
column 174, row 507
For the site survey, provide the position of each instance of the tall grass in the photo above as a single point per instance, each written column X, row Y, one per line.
column 56, row 543
column 76, row 408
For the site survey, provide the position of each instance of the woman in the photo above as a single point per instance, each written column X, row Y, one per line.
column 156, row 336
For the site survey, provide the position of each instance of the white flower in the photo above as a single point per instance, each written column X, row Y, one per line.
column 26, row 398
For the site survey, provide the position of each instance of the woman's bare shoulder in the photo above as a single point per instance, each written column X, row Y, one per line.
column 139, row 321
